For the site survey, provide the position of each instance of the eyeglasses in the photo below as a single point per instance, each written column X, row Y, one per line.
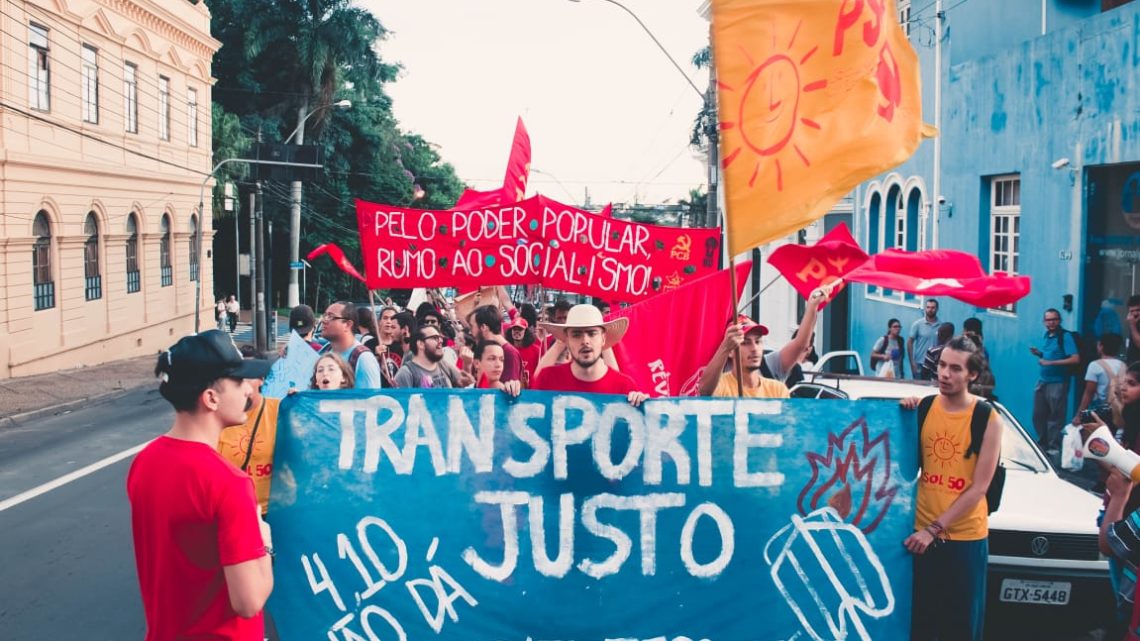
column 432, row 338
column 330, row 317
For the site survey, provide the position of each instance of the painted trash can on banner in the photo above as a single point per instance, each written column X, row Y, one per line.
column 470, row 516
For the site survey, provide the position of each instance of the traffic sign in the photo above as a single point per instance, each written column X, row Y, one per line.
column 297, row 265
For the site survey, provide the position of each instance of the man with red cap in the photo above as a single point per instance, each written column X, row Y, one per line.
column 522, row 338
column 748, row 336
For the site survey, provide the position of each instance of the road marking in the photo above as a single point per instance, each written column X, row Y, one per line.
column 67, row 478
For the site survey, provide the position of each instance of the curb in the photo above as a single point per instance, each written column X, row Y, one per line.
column 59, row 408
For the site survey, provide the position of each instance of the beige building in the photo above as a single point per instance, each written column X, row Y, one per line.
column 104, row 143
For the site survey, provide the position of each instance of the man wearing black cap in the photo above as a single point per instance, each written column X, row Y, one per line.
column 201, row 549
column 303, row 321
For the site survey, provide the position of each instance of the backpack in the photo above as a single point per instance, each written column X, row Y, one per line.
column 353, row 357
column 978, row 422
column 1086, row 350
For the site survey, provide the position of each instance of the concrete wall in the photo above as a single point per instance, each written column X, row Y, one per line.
column 54, row 161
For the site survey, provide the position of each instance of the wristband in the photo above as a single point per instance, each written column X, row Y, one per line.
column 937, row 526
column 269, row 551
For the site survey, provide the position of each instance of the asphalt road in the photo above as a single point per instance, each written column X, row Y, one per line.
column 68, row 566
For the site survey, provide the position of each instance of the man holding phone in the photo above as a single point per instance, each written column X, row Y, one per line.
column 1057, row 352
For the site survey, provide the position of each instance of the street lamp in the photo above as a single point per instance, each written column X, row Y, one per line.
column 293, row 298
column 706, row 102
column 657, row 42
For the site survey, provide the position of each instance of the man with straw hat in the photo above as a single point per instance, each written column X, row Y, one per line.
column 586, row 335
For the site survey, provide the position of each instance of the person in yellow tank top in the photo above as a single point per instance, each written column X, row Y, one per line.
column 951, row 520
column 747, row 336
column 250, row 446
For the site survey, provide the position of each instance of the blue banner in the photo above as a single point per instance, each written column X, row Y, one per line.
column 470, row 516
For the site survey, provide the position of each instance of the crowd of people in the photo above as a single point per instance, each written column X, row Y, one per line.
column 214, row 388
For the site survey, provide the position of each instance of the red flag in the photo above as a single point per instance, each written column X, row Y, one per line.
column 808, row 267
column 471, row 199
column 665, row 352
column 514, row 182
column 607, row 211
column 337, row 255
column 518, row 166
column 942, row 272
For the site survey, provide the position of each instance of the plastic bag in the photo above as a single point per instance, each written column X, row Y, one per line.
column 1072, row 450
column 886, row 369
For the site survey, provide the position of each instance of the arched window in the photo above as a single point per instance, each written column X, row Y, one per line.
column 134, row 282
column 193, row 248
column 874, row 223
column 913, row 206
column 167, row 271
column 41, row 262
column 93, row 289
column 895, row 231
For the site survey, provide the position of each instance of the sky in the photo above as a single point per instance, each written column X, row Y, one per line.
column 605, row 109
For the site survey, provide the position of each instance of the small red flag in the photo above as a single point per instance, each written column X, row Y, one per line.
column 809, row 267
column 942, row 272
column 667, row 358
column 514, row 182
column 337, row 255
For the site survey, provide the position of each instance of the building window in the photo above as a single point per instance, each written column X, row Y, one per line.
column 164, row 107
column 131, row 97
column 41, row 263
column 900, row 223
column 39, row 74
column 874, row 222
column 167, row 271
column 904, row 15
column 134, row 282
column 192, row 116
column 193, row 248
column 93, row 288
column 1005, row 227
column 90, row 84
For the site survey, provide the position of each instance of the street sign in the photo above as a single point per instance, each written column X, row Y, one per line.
column 297, row 265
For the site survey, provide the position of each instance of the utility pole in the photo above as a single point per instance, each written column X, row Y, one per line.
column 259, row 333
column 253, row 270
column 294, row 298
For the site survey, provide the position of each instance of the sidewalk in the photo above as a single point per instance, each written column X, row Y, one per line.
column 25, row 396
column 21, row 397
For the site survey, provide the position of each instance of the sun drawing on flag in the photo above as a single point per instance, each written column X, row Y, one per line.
column 768, row 110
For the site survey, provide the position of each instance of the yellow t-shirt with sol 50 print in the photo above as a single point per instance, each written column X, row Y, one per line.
column 235, row 444
column 946, row 473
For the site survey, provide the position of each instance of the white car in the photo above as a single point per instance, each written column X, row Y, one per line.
column 1046, row 572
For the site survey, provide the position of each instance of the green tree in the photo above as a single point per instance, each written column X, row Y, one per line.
column 282, row 56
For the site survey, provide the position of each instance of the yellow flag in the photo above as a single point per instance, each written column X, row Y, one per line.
column 815, row 96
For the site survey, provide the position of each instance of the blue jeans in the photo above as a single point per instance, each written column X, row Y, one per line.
column 950, row 592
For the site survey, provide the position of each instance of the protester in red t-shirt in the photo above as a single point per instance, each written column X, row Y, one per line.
column 586, row 335
column 201, row 549
column 487, row 325
column 522, row 338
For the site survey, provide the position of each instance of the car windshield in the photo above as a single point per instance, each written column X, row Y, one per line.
column 1017, row 451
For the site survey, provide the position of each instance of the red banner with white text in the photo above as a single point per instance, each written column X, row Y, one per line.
column 537, row 241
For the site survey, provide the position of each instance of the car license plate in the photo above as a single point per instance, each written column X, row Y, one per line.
column 1047, row 592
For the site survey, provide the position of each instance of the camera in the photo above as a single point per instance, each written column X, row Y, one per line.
column 1087, row 416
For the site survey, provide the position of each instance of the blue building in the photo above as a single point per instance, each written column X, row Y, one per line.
column 1036, row 170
